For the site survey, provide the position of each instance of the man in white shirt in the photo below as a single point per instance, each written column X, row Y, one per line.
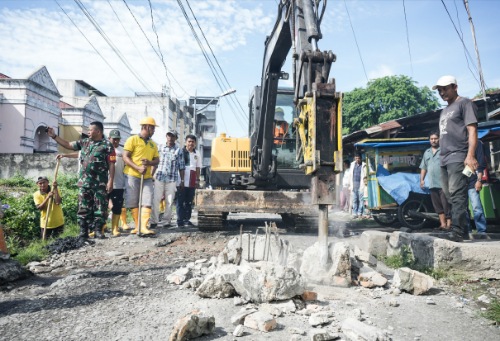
column 185, row 195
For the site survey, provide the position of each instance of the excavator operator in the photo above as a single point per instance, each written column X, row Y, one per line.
column 280, row 127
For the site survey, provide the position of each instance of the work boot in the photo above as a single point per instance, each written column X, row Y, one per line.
column 114, row 225
column 99, row 233
column 92, row 234
column 123, row 218
column 135, row 216
column 84, row 232
column 145, row 215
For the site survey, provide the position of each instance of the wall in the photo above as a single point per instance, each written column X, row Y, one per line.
column 35, row 165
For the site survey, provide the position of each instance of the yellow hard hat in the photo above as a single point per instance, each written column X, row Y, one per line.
column 149, row 121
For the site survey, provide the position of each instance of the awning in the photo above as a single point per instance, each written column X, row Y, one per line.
column 391, row 144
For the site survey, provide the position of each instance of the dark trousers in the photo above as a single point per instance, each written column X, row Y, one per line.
column 116, row 197
column 185, row 198
column 455, row 188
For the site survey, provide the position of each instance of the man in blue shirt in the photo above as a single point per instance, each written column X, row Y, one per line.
column 169, row 173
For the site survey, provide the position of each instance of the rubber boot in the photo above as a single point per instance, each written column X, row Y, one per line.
column 92, row 234
column 123, row 218
column 99, row 233
column 84, row 231
column 135, row 215
column 114, row 225
column 145, row 215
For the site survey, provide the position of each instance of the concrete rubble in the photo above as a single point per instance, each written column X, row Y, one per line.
column 11, row 270
column 193, row 325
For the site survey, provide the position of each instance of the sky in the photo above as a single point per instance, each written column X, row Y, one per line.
column 371, row 39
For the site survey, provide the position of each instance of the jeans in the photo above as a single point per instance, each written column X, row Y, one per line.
column 185, row 198
column 477, row 209
column 455, row 188
column 357, row 202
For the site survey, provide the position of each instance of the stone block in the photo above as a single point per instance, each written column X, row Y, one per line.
column 412, row 281
column 374, row 242
column 260, row 321
column 193, row 325
column 309, row 296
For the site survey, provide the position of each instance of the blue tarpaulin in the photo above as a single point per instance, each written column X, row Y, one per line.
column 399, row 185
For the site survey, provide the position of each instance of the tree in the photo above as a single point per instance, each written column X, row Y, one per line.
column 488, row 91
column 385, row 99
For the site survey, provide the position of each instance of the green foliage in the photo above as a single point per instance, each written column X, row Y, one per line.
column 385, row 99
column 493, row 311
column 22, row 219
column 403, row 259
column 35, row 251
column 17, row 181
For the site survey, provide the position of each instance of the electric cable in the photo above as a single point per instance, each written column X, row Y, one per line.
column 408, row 38
column 156, row 52
column 245, row 116
column 133, row 43
column 356, row 41
column 466, row 51
column 113, row 47
column 92, row 45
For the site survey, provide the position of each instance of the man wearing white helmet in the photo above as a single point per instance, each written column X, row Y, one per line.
column 140, row 154
column 458, row 141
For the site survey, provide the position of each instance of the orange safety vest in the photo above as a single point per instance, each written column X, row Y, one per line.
column 280, row 131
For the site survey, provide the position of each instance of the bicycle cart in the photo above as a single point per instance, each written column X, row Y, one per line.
column 394, row 193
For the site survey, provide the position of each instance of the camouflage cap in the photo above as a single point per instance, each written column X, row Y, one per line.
column 115, row 134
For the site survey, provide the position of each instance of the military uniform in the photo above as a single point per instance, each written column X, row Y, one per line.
column 93, row 178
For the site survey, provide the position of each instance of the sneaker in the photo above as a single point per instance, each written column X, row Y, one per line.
column 180, row 224
column 153, row 226
column 188, row 223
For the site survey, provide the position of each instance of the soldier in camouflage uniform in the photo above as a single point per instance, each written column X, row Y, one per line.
column 97, row 171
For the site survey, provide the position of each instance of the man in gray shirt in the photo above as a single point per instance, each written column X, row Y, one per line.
column 458, row 129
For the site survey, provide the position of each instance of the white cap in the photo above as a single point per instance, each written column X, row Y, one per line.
column 444, row 81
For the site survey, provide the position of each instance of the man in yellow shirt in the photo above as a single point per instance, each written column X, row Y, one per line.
column 140, row 154
column 55, row 223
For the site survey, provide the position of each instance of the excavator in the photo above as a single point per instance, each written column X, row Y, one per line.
column 288, row 163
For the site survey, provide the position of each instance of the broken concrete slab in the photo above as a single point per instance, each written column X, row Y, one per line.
column 372, row 279
column 412, row 281
column 357, row 330
column 476, row 258
column 259, row 282
column 336, row 272
column 239, row 317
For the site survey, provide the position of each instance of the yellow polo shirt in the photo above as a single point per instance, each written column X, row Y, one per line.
column 56, row 217
column 139, row 149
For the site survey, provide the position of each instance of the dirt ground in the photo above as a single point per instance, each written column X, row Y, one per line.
column 116, row 289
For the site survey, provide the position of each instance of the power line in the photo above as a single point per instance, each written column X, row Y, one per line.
column 356, row 41
column 156, row 52
column 204, row 53
column 466, row 51
column 133, row 43
column 95, row 49
column 215, row 58
column 408, row 38
column 113, row 47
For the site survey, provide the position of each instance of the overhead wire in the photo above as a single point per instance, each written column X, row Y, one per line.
column 92, row 45
column 132, row 41
column 156, row 52
column 216, row 60
column 205, row 54
column 466, row 51
column 356, row 41
column 114, row 48
column 408, row 38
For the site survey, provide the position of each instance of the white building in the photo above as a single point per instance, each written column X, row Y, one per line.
column 27, row 106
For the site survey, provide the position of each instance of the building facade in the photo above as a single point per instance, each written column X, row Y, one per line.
column 27, row 107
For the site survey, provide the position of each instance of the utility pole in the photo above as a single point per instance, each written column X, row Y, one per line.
column 481, row 77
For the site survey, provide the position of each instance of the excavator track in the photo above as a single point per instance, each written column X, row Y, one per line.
column 212, row 221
